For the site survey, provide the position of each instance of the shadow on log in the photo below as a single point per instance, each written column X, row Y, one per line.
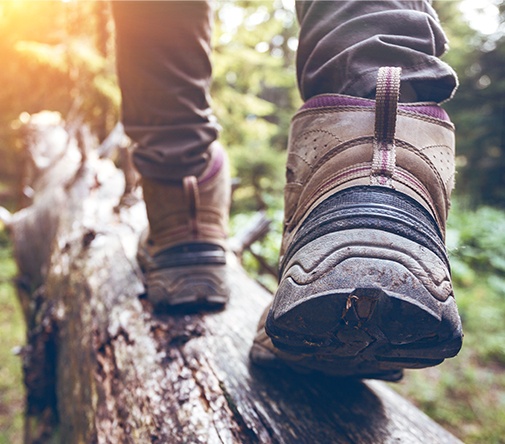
column 101, row 367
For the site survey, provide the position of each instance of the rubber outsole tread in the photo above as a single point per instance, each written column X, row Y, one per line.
column 355, row 343
column 367, row 298
column 190, row 277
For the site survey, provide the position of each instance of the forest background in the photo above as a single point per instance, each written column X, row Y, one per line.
column 59, row 56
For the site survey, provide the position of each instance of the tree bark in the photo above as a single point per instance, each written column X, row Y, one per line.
column 100, row 367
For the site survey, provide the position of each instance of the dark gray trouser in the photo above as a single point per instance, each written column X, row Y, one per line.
column 163, row 50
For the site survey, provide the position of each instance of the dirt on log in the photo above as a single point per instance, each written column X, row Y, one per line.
column 101, row 367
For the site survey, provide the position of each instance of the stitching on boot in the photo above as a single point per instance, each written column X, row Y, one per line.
column 425, row 159
column 427, row 119
column 409, row 180
column 310, row 153
column 305, row 207
column 339, row 149
column 427, row 147
column 309, row 112
column 309, row 132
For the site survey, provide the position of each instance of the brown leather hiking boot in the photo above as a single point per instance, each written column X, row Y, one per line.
column 183, row 254
column 365, row 287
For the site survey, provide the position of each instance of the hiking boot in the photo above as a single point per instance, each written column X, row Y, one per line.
column 365, row 287
column 183, row 254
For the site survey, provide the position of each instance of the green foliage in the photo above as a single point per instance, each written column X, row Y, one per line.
column 478, row 108
column 475, row 241
column 57, row 56
column 255, row 94
column 267, row 248
column 467, row 394
column 12, row 334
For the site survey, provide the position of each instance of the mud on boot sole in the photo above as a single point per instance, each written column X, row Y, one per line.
column 366, row 288
column 365, row 301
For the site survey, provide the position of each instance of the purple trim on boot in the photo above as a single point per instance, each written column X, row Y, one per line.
column 215, row 166
column 331, row 101
column 427, row 110
column 326, row 101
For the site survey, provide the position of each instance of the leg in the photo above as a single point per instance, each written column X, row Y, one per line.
column 343, row 43
column 365, row 287
column 164, row 70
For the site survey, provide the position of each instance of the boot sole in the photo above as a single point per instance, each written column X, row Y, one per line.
column 362, row 302
column 199, row 286
column 307, row 364
column 189, row 277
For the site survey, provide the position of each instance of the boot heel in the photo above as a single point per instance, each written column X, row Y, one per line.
column 193, row 286
column 362, row 301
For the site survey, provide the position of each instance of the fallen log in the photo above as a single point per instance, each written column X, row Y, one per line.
column 101, row 367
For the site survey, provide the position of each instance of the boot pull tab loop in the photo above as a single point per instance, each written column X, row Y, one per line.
column 190, row 185
column 386, row 103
